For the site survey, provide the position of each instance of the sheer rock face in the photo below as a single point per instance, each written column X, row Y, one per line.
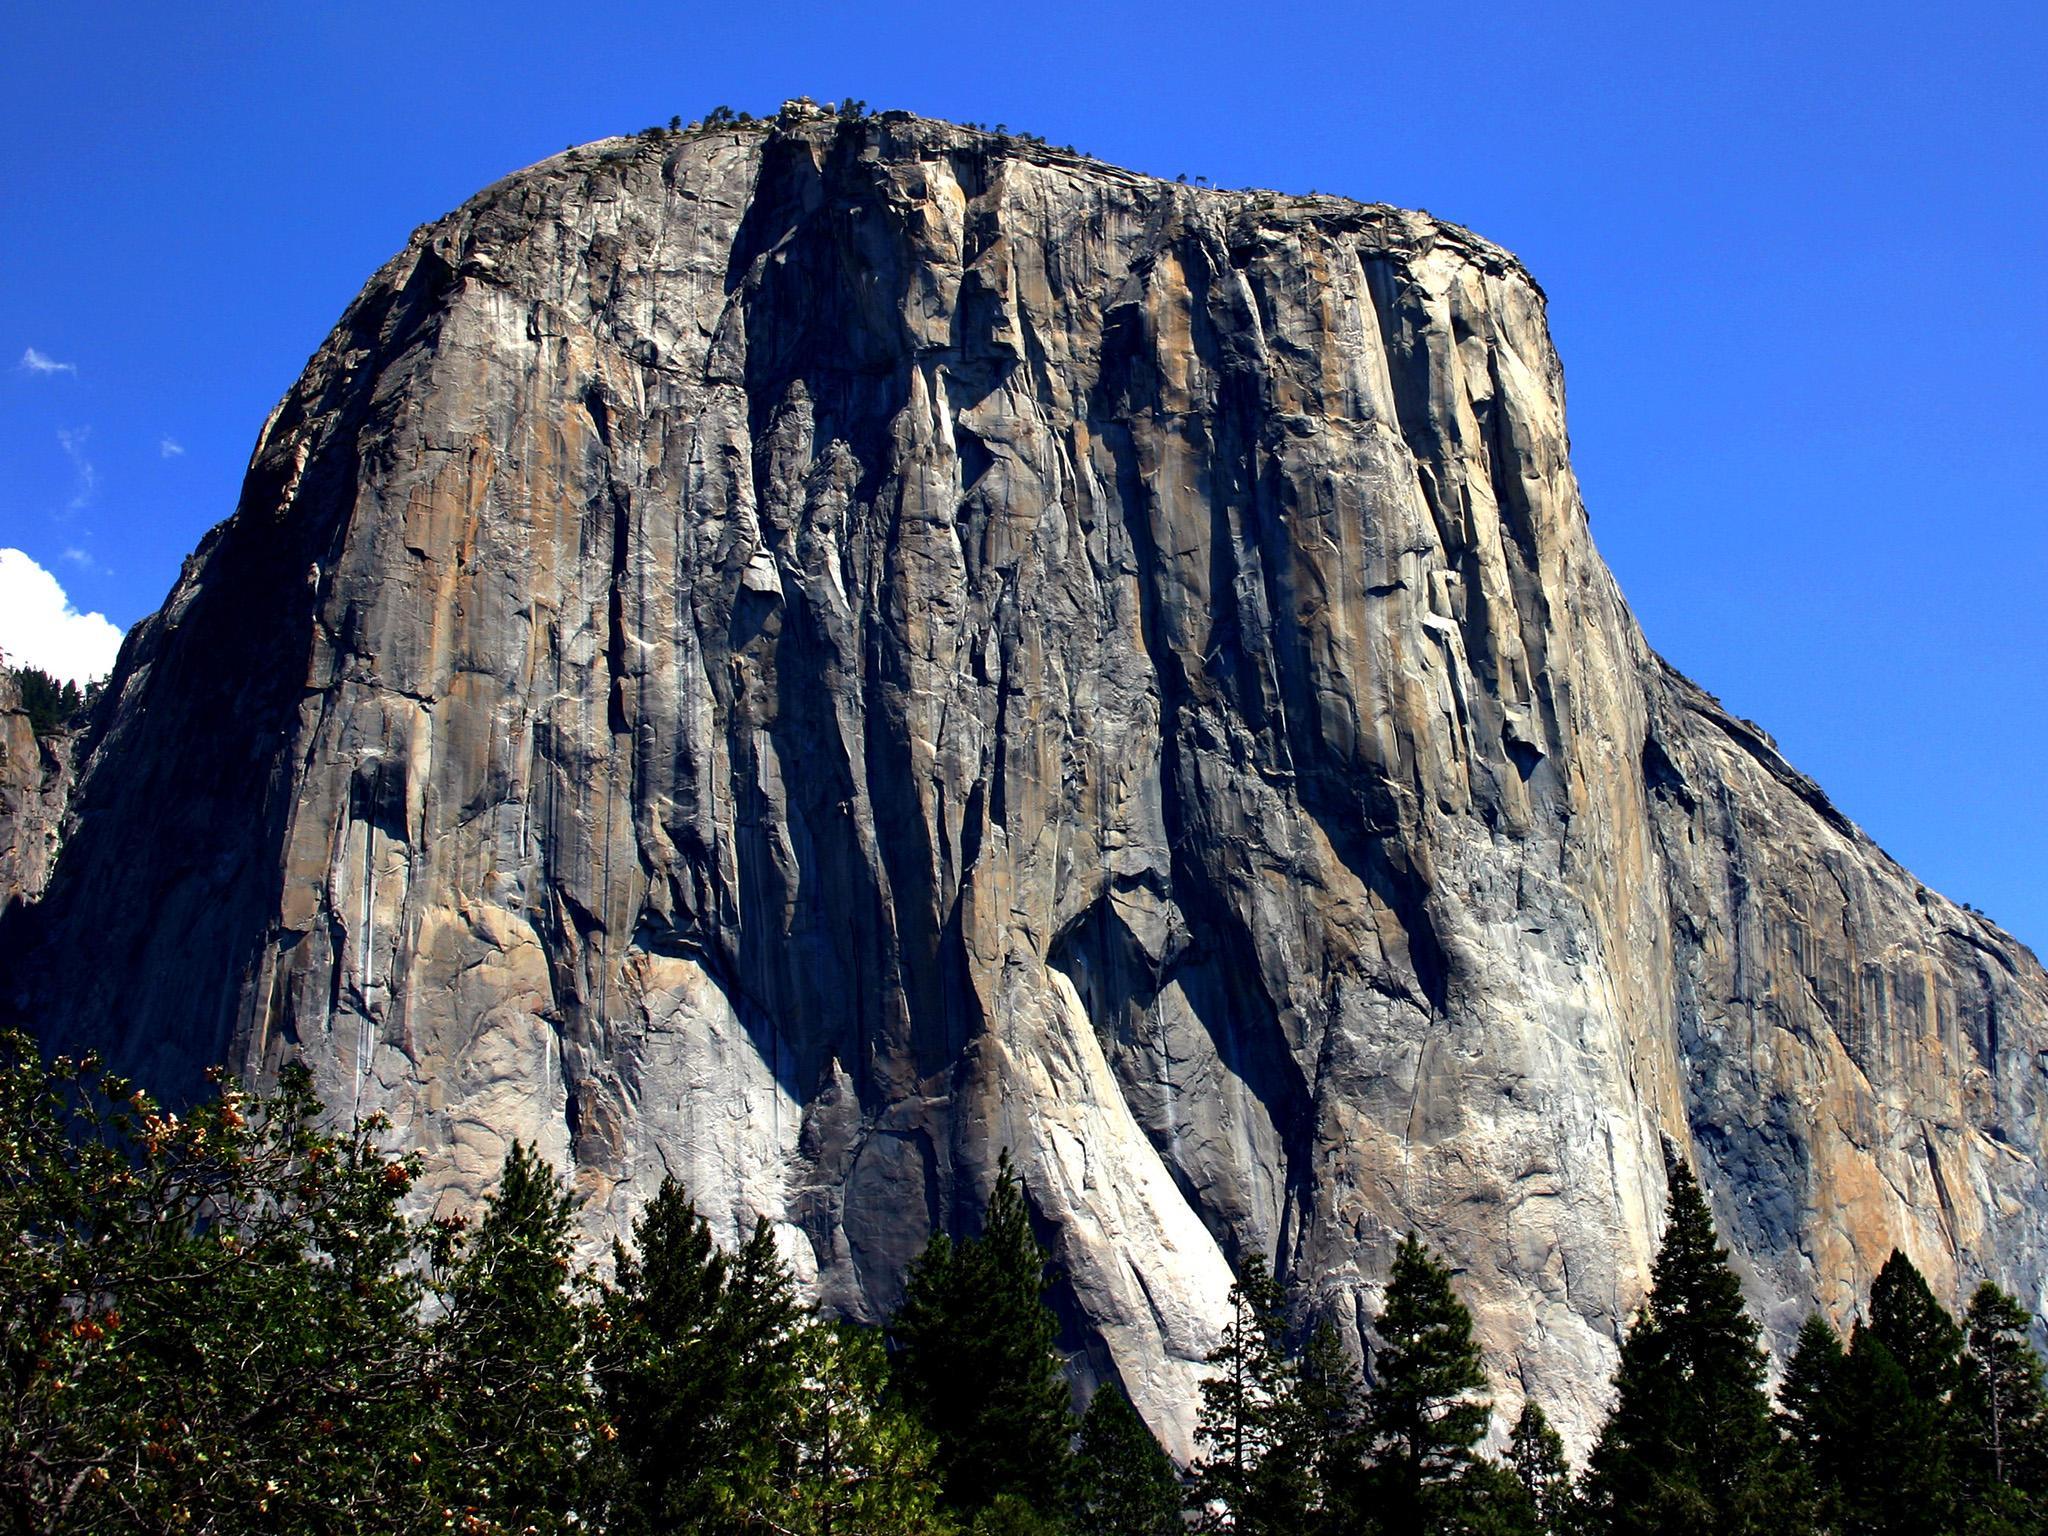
column 35, row 780
column 804, row 658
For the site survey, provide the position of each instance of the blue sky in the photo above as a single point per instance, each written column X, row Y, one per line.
column 1795, row 257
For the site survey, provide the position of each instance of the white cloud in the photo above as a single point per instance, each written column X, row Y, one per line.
column 82, row 559
column 40, row 628
column 170, row 447
column 33, row 361
column 87, row 480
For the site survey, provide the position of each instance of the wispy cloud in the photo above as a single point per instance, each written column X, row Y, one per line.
column 84, row 561
column 33, row 361
column 170, row 448
column 86, row 479
column 40, row 628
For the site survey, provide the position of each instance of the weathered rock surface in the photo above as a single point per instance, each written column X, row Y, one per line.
column 807, row 657
column 35, row 781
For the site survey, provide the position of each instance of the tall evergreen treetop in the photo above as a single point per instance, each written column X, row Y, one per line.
column 1690, row 1447
column 1126, row 1485
column 978, row 1362
column 1255, row 1474
column 1892, row 1450
column 1536, row 1458
column 854, row 1463
column 697, row 1366
column 2003, row 1406
column 1918, row 1330
column 1810, row 1410
column 516, row 1354
column 1424, row 1417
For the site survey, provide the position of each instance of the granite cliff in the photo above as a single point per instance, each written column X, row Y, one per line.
column 35, row 782
column 806, row 655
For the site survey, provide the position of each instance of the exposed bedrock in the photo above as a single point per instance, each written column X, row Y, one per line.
column 804, row 658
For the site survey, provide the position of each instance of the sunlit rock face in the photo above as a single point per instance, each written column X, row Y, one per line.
column 35, row 779
column 805, row 657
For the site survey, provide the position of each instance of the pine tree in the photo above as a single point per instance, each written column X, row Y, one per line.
column 1327, row 1422
column 2004, row 1415
column 1690, row 1449
column 853, row 1463
column 1897, row 1410
column 1809, row 1415
column 1423, row 1418
column 1255, row 1476
column 1918, row 1331
column 1127, row 1484
column 1895, row 1473
column 514, row 1379
column 1536, row 1458
column 697, row 1367
column 977, row 1362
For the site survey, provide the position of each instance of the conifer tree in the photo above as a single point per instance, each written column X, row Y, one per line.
column 1894, row 1471
column 697, row 1367
column 2004, row 1413
column 1897, row 1409
column 514, row 1379
column 1690, row 1449
column 1327, row 1422
column 1423, row 1417
column 1536, row 1458
column 853, row 1462
column 977, row 1362
column 1918, row 1331
column 1809, row 1413
column 1254, row 1477
column 1127, row 1485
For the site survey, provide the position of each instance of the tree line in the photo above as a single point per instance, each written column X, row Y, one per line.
column 50, row 704
column 226, row 1321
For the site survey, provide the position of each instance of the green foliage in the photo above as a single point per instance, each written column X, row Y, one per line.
column 1255, row 1476
column 50, row 705
column 2003, row 1409
column 853, row 1463
column 1954, row 1418
column 210, row 1318
column 225, row 1322
column 1883, row 1422
column 1917, row 1330
column 1691, row 1446
column 1125, row 1484
column 699, row 1370
column 977, row 1362
column 513, row 1378
column 1424, row 1418
column 1542, row 1502
column 1809, row 1417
